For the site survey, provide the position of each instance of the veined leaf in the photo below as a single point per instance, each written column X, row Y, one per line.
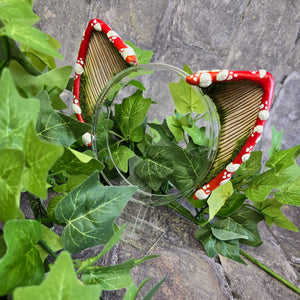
column 121, row 155
column 261, row 185
column 113, row 277
column 186, row 99
column 132, row 290
column 214, row 246
column 243, row 222
column 156, row 168
column 143, row 56
column 56, row 127
column 227, row 235
column 218, row 198
column 21, row 265
column 11, row 169
column 15, row 113
column 289, row 193
column 27, row 35
column 74, row 162
column 132, row 112
column 60, row 283
column 232, row 204
column 197, row 134
column 175, row 127
column 39, row 158
column 89, row 212
column 54, row 82
column 271, row 209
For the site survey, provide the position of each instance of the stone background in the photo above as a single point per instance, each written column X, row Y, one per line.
column 205, row 34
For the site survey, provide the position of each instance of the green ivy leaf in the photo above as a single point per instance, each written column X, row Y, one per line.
column 276, row 141
column 283, row 159
column 132, row 112
column 250, row 167
column 187, row 69
column 58, row 128
column 214, row 246
column 244, row 222
column 39, row 157
column 261, row 185
column 197, row 134
column 175, row 127
column 89, row 212
column 113, row 277
column 186, row 99
column 227, row 235
column 121, row 155
column 21, row 265
column 11, row 169
column 25, row 34
column 165, row 136
column 15, row 113
column 60, row 283
column 271, row 209
column 143, row 56
column 74, row 162
column 218, row 198
column 156, row 168
column 232, row 204
column 54, row 82
column 289, row 192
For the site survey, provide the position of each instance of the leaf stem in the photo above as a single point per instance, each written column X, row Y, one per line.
column 271, row 272
column 47, row 248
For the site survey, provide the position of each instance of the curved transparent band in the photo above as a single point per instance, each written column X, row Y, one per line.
column 110, row 92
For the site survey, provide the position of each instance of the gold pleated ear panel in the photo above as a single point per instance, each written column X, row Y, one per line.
column 101, row 56
column 243, row 100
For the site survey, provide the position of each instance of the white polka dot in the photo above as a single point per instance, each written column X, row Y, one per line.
column 224, row 181
column 262, row 73
column 112, row 33
column 205, row 80
column 76, row 109
column 264, row 115
column 79, row 69
column 258, row 129
column 245, row 157
column 232, row 167
column 87, row 138
column 222, row 75
column 229, row 77
column 201, row 195
column 98, row 27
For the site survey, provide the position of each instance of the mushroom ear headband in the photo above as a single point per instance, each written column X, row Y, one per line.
column 242, row 98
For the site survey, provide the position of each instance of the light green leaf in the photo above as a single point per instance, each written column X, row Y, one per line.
column 53, row 82
column 218, row 198
column 52, row 205
column 132, row 112
column 226, row 235
column 11, row 169
column 89, row 212
column 261, row 185
column 60, row 283
column 143, row 56
column 121, row 155
column 197, row 134
column 156, row 168
column 289, row 193
column 39, row 157
column 186, row 98
column 74, row 162
column 187, row 69
column 271, row 209
column 58, row 128
column 276, row 141
column 52, row 240
column 175, row 127
column 15, row 10
column 21, row 265
column 243, row 222
column 113, row 277
column 132, row 290
column 25, row 34
column 15, row 113
column 283, row 159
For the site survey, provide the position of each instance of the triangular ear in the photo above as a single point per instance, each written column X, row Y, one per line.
column 101, row 56
column 243, row 100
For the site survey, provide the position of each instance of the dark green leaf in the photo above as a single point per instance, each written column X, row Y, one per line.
column 289, row 193
column 166, row 138
column 232, row 204
column 60, row 283
column 89, row 212
column 197, row 134
column 39, row 158
column 58, row 128
column 121, row 155
column 11, row 169
column 153, row 291
column 15, row 113
column 156, row 168
column 21, row 265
